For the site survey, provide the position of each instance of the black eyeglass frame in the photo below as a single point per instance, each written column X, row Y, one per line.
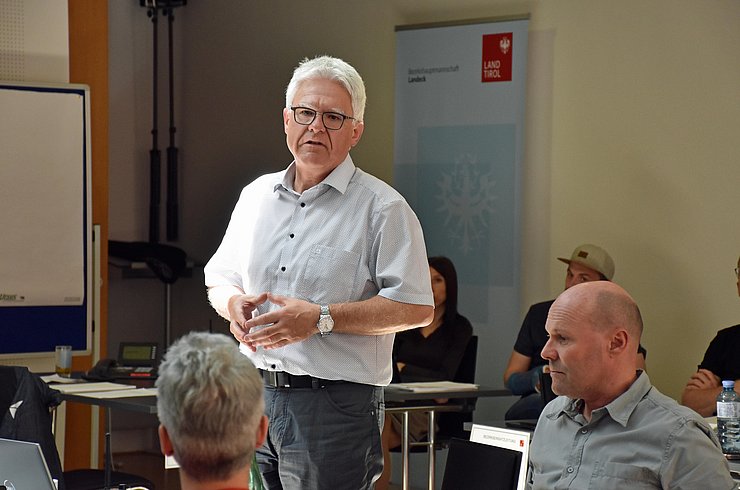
column 323, row 121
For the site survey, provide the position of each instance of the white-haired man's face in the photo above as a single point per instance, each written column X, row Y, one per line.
column 315, row 148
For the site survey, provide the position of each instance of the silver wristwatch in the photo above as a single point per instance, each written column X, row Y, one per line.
column 326, row 322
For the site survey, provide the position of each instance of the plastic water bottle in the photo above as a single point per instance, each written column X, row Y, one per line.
column 728, row 418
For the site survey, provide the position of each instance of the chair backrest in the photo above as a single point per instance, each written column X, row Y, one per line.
column 466, row 370
column 546, row 392
column 474, row 465
column 30, row 420
column 451, row 424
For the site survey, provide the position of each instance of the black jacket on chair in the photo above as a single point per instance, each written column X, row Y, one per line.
column 26, row 401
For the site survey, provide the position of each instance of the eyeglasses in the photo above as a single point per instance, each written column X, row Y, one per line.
column 331, row 120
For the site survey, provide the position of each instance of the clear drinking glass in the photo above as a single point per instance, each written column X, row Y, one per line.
column 63, row 360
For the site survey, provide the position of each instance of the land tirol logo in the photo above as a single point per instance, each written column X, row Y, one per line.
column 496, row 63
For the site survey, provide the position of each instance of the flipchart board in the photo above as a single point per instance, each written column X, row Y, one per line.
column 45, row 218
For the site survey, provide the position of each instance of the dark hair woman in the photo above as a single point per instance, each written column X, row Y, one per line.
column 430, row 353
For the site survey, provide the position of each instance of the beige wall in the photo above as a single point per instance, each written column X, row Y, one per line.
column 645, row 160
column 633, row 117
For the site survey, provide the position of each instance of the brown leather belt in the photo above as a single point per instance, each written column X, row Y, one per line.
column 281, row 379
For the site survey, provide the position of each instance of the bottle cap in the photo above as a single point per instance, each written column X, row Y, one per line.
column 728, row 384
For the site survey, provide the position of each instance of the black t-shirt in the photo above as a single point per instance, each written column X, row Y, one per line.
column 533, row 336
column 723, row 354
column 434, row 358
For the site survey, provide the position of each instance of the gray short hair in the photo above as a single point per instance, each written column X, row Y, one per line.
column 327, row 67
column 210, row 399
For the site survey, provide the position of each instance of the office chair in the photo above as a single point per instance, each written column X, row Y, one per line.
column 451, row 424
column 546, row 392
column 94, row 479
column 472, row 465
column 26, row 403
column 31, row 421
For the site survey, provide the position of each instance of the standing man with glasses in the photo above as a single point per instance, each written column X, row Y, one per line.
column 721, row 362
column 320, row 265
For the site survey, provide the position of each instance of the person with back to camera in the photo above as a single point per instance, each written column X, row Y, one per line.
column 721, row 362
column 610, row 428
column 587, row 263
column 321, row 264
column 211, row 411
column 430, row 353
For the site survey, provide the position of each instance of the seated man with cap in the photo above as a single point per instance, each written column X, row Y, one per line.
column 587, row 263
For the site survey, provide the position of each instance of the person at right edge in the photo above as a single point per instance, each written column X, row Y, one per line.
column 721, row 362
column 587, row 263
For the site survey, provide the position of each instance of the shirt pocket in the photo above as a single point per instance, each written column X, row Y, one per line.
column 330, row 275
column 616, row 476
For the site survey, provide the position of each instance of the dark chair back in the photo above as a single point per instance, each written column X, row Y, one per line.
column 451, row 424
column 466, row 370
column 546, row 388
column 94, row 479
column 472, row 465
column 33, row 423
column 31, row 419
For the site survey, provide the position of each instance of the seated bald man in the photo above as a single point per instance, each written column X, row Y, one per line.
column 610, row 428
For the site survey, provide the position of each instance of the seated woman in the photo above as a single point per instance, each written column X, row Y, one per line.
column 431, row 353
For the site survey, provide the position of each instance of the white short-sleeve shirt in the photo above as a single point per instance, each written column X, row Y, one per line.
column 348, row 238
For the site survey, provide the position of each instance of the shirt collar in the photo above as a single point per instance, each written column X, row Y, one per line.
column 622, row 407
column 338, row 178
column 619, row 409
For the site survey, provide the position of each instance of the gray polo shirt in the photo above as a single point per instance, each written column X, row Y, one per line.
column 348, row 238
column 643, row 439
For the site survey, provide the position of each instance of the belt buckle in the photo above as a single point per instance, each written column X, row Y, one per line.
column 272, row 378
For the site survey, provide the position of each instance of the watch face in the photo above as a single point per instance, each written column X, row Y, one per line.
column 326, row 324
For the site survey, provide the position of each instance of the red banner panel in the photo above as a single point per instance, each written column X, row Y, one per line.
column 496, row 63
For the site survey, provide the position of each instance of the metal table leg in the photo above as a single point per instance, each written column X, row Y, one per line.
column 431, row 449
column 405, row 450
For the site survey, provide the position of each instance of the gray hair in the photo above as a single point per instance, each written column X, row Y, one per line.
column 329, row 68
column 210, row 400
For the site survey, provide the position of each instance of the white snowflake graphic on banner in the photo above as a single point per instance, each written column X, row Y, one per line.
column 467, row 202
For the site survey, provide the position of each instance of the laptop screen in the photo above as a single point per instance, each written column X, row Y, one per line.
column 22, row 466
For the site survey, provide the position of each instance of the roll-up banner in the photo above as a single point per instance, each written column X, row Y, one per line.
column 459, row 140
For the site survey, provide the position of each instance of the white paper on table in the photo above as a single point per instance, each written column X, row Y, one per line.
column 434, row 386
column 93, row 387
column 134, row 392
column 55, row 378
